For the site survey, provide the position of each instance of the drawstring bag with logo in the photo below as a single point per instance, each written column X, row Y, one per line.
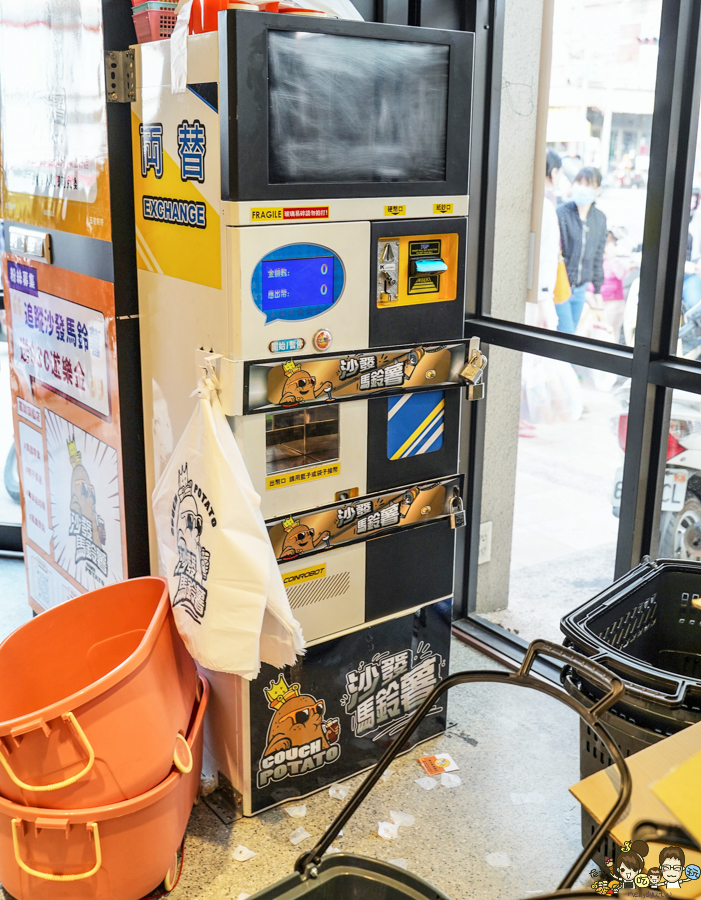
column 228, row 599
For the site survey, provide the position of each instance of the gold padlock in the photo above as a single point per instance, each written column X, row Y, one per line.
column 458, row 516
column 474, row 368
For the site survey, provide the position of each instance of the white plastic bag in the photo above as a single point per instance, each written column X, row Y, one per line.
column 550, row 391
column 228, row 598
column 593, row 324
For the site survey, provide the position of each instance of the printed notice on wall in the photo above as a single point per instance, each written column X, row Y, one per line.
column 53, row 117
column 66, row 414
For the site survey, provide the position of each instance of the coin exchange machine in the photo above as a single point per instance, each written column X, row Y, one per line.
column 301, row 213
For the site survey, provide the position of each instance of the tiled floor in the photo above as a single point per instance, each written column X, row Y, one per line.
column 518, row 754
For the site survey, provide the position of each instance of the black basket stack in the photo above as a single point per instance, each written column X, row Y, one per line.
column 645, row 629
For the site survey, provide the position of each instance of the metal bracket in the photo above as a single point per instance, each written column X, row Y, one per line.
column 230, row 375
column 226, row 802
column 120, row 76
column 26, row 242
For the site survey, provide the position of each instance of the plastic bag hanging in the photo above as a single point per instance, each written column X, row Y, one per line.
column 228, row 599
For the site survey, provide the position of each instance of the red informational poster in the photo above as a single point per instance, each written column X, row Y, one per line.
column 63, row 365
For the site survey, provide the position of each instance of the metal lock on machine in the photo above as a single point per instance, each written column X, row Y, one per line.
column 472, row 372
column 458, row 516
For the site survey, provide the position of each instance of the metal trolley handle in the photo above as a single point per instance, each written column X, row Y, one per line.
column 602, row 677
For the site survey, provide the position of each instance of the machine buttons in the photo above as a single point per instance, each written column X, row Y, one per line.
column 288, row 345
column 322, row 340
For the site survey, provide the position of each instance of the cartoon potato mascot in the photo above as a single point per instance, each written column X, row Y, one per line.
column 299, row 539
column 300, row 386
column 298, row 719
column 83, row 495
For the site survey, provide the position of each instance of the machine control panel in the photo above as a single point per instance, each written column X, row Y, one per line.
column 417, row 269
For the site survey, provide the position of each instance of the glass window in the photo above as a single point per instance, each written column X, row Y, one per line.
column 10, row 509
column 554, row 463
column 680, row 502
column 569, row 224
column 688, row 341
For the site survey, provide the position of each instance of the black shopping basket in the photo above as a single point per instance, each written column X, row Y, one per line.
column 346, row 876
column 645, row 629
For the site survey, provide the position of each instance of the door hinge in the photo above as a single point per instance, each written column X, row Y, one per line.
column 120, row 76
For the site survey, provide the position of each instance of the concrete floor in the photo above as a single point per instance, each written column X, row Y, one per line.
column 518, row 754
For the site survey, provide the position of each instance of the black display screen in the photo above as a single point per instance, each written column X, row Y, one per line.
column 349, row 109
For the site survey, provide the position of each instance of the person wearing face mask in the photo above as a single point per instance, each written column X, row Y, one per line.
column 583, row 237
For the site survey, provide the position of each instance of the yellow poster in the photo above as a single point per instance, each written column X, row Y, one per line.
column 177, row 226
column 53, row 116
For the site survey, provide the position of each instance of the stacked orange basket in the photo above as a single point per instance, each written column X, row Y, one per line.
column 101, row 717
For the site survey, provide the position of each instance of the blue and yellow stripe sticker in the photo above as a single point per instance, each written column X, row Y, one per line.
column 415, row 423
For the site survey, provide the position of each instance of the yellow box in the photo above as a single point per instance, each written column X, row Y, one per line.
column 442, row 209
column 398, row 210
column 448, row 282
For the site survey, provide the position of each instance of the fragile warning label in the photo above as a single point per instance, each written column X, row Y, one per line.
column 289, row 213
column 305, row 212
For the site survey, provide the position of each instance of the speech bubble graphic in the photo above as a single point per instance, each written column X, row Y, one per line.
column 297, row 281
column 692, row 872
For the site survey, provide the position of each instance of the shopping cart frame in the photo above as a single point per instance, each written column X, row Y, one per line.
column 307, row 866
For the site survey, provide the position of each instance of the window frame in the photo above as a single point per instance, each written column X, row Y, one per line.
column 651, row 365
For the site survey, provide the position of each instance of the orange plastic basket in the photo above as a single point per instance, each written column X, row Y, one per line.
column 94, row 695
column 117, row 852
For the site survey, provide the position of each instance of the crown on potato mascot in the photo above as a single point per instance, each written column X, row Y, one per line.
column 291, row 367
column 73, row 452
column 279, row 692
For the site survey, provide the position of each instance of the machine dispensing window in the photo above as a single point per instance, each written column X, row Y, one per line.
column 347, row 109
column 300, row 437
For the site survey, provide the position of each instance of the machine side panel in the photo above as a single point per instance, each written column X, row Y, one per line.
column 327, row 593
column 405, row 447
column 176, row 318
column 346, row 319
column 407, row 568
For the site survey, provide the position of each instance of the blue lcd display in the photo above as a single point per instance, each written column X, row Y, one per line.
column 293, row 283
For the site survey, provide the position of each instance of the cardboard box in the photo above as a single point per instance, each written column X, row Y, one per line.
column 598, row 792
